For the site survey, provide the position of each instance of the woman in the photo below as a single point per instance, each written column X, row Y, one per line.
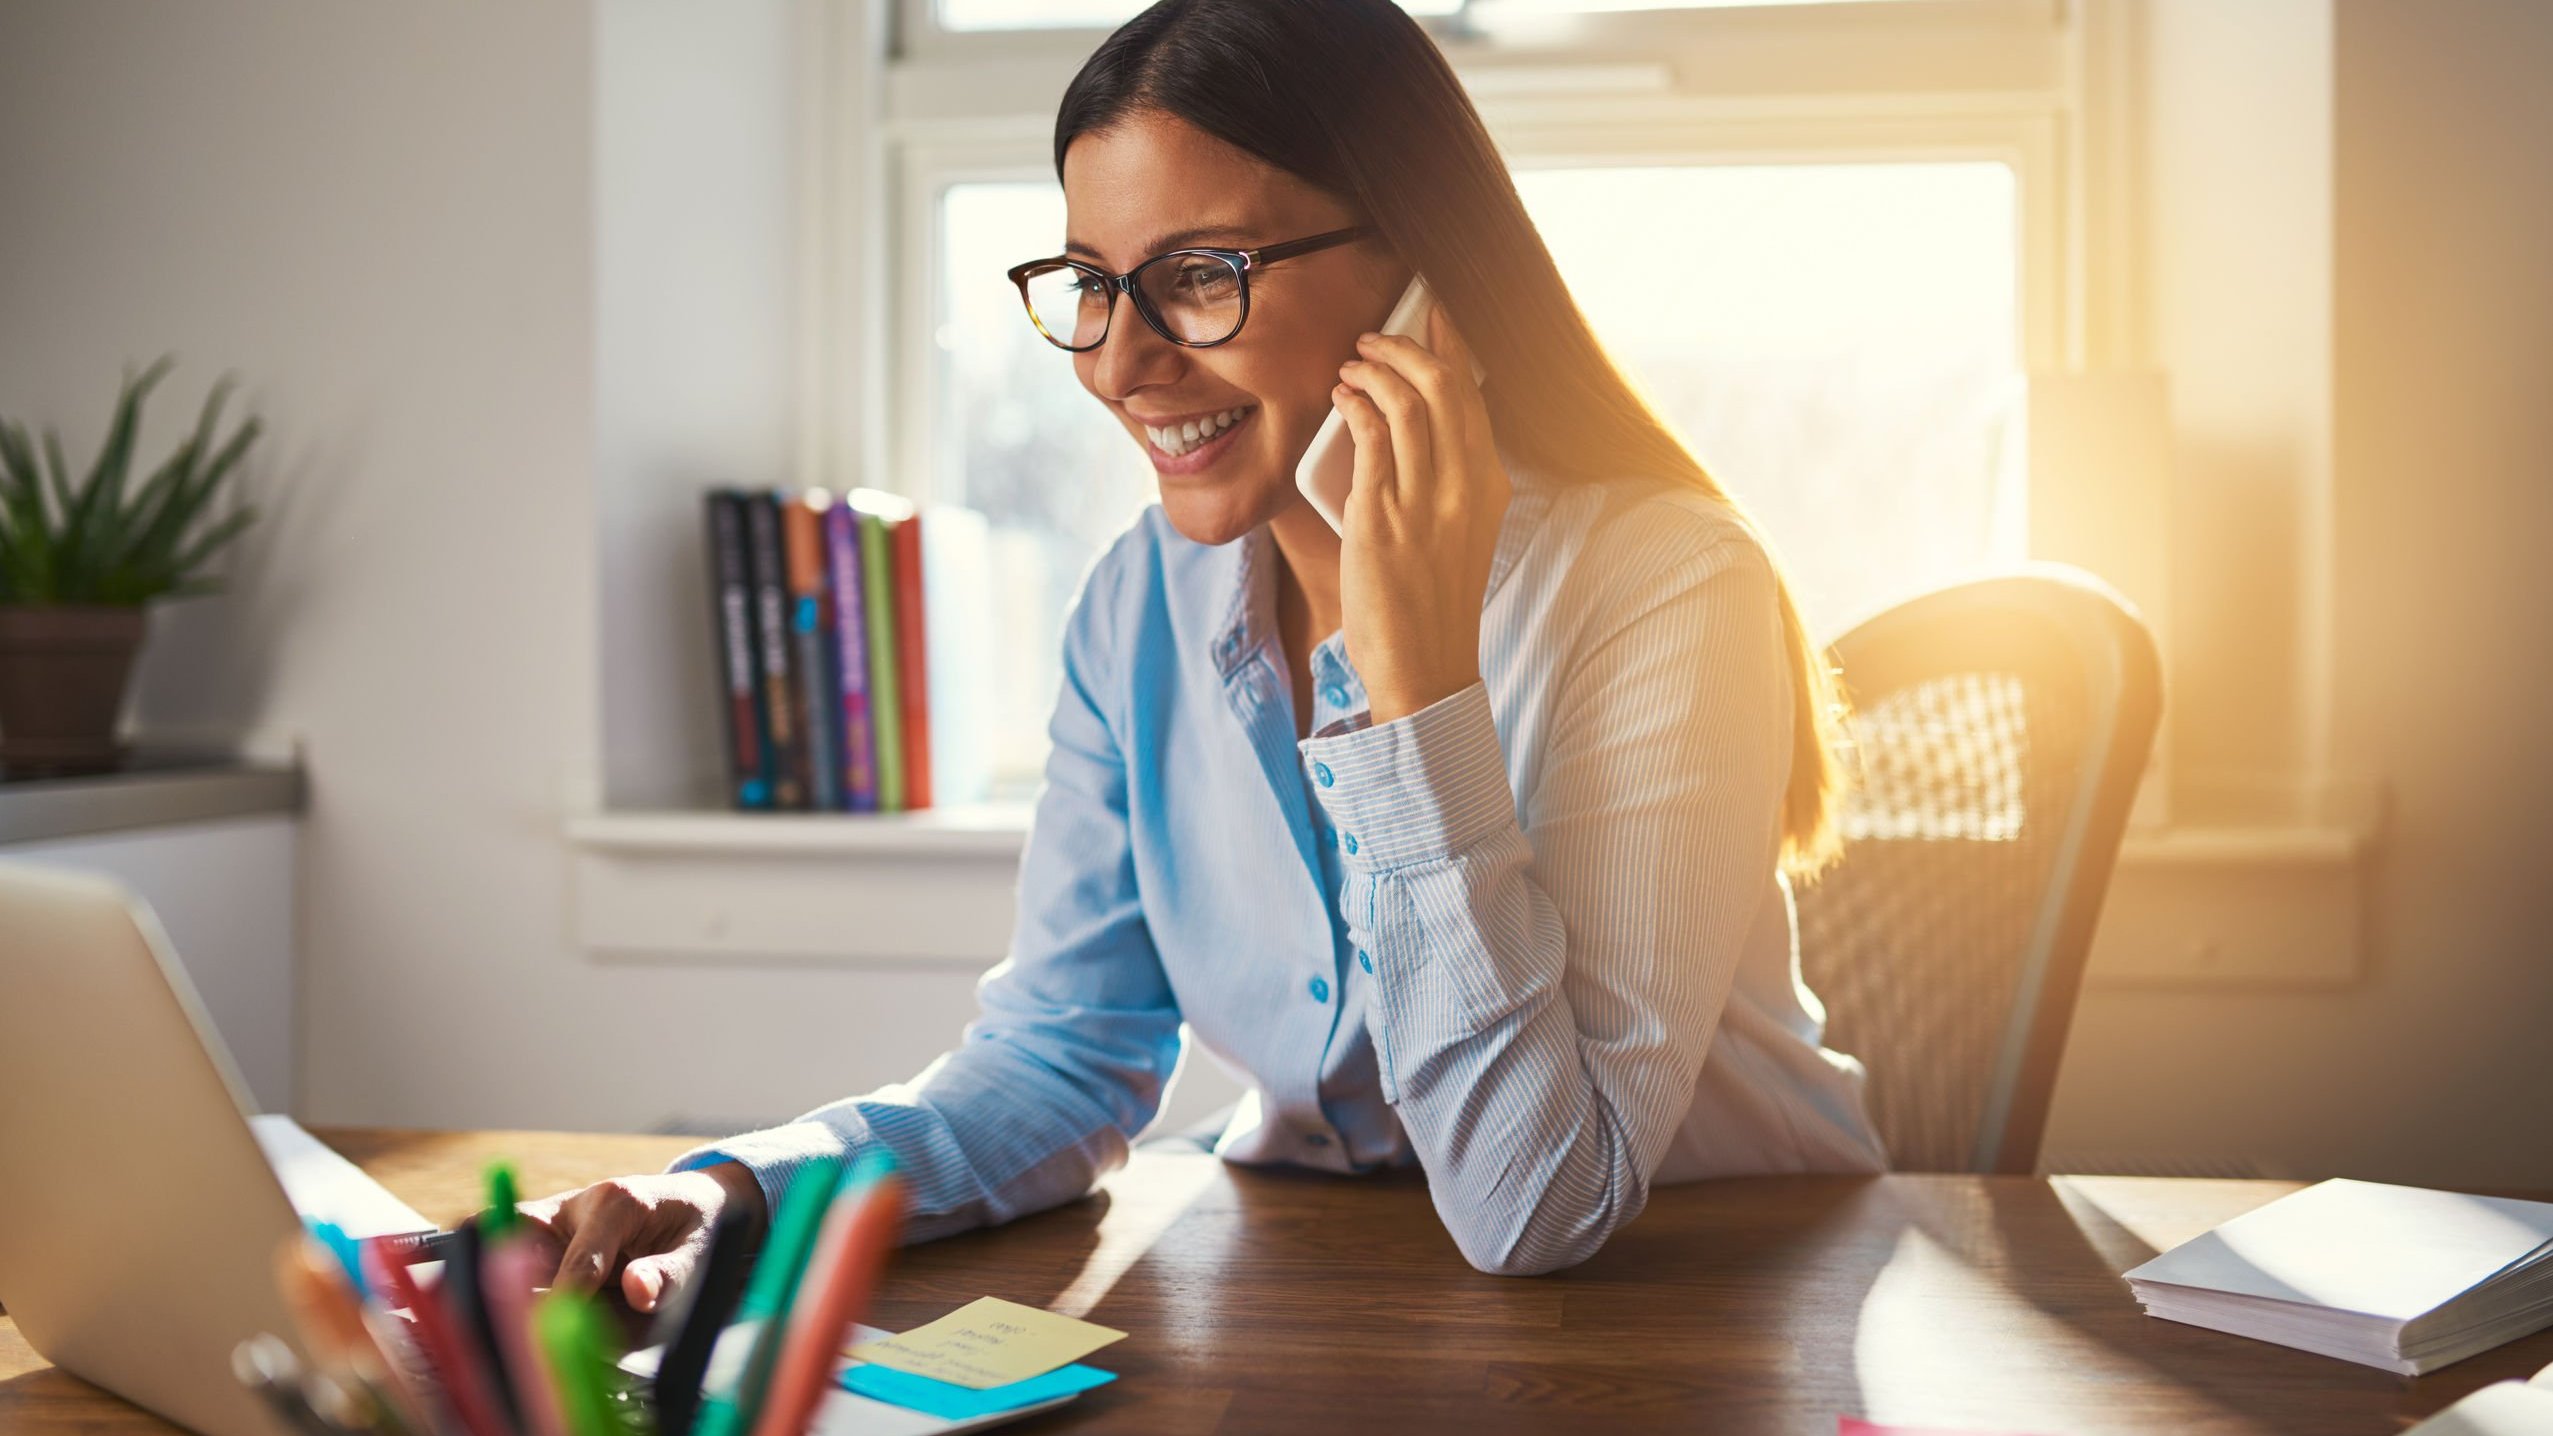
column 1461, row 836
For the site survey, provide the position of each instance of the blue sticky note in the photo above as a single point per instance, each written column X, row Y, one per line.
column 952, row 1402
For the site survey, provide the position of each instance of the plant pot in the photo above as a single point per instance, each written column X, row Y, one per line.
column 63, row 670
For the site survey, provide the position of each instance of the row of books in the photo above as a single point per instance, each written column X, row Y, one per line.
column 823, row 649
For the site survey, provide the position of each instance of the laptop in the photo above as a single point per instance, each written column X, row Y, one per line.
column 141, row 1202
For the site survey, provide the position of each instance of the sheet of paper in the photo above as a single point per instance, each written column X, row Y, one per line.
column 989, row 1342
column 323, row 1186
column 2384, row 1251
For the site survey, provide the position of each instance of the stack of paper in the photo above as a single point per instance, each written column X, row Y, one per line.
column 2396, row 1277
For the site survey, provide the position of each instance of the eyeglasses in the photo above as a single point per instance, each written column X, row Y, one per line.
column 1196, row 298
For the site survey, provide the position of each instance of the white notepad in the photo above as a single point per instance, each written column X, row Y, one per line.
column 2398, row 1277
column 325, row 1187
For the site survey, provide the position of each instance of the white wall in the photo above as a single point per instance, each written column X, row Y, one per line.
column 223, row 893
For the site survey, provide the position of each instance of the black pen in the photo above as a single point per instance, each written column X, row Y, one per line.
column 465, row 1295
column 692, row 1315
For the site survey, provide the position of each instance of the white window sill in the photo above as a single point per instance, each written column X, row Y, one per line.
column 2262, row 907
column 990, row 830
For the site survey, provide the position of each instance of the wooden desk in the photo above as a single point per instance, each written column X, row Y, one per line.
column 1265, row 1302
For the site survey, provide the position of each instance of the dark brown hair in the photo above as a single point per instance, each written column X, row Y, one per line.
column 1352, row 96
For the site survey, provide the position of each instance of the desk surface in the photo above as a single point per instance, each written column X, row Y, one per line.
column 1269, row 1302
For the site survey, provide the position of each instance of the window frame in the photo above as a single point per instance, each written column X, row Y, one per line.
column 2037, row 85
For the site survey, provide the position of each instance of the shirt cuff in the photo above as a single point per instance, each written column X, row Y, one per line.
column 1416, row 789
column 775, row 1155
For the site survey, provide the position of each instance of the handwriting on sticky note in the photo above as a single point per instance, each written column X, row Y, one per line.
column 989, row 1342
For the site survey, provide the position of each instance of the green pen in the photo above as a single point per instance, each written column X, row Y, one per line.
column 767, row 1296
column 503, row 1197
column 579, row 1351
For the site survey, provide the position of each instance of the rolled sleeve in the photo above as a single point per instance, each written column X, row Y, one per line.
column 775, row 1155
column 1418, row 789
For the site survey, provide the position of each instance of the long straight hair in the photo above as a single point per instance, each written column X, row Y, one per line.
column 1353, row 97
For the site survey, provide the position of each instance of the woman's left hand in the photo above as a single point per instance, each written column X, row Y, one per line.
column 1422, row 517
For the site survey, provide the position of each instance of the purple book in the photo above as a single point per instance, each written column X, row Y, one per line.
column 851, row 635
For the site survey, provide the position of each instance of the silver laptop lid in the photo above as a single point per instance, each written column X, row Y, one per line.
column 138, row 1219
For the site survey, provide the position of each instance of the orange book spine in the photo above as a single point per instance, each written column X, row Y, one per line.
column 913, row 659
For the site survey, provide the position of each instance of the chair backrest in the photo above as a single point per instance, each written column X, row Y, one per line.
column 1999, row 732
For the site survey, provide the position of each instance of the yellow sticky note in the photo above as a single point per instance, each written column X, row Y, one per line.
column 989, row 1342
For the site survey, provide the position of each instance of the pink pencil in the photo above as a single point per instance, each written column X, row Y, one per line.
column 858, row 1232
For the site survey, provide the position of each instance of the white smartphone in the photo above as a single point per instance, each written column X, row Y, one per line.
column 1328, row 469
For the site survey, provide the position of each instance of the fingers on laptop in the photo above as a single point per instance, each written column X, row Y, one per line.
column 595, row 1225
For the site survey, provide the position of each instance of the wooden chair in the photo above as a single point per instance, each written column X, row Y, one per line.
column 1999, row 733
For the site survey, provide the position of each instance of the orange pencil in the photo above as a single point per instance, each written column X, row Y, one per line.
column 858, row 1232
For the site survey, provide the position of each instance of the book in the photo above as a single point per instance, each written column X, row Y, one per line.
column 879, row 512
column 771, row 632
column 2401, row 1278
column 913, row 655
column 811, row 643
column 859, row 756
column 748, row 744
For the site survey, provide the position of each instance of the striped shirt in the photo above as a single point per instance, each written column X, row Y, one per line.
column 1533, row 937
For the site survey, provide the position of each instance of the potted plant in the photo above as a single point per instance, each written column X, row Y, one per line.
column 82, row 556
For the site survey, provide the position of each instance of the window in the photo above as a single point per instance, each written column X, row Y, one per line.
column 1869, row 201
column 1839, row 344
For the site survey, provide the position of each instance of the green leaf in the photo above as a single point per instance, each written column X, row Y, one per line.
column 210, row 542
column 88, row 524
column 148, row 502
column 61, row 475
column 187, row 501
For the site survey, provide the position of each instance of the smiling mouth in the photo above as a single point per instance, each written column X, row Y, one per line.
column 1177, row 439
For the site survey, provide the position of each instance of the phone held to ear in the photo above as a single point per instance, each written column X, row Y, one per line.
column 1328, row 469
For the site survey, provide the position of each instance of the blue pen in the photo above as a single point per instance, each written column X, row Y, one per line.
column 348, row 1254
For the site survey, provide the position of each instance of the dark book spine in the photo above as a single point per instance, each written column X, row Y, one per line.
column 740, row 697
column 771, row 647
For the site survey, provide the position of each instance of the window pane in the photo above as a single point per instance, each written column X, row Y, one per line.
column 1837, row 343
column 1016, row 438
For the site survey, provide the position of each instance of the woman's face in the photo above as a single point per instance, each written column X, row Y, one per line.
column 1151, row 183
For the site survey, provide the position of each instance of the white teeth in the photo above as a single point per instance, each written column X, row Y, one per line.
column 1180, row 438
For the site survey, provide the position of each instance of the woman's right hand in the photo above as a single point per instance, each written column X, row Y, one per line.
column 650, row 1229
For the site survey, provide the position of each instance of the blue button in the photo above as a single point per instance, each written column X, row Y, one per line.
column 1364, row 959
column 1348, row 841
column 1315, row 1139
column 1320, row 989
column 1321, row 774
column 1335, row 696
